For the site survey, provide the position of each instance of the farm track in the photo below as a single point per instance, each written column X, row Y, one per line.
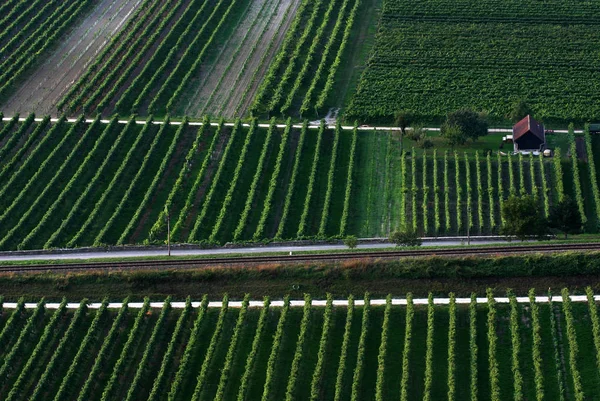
column 244, row 261
column 44, row 87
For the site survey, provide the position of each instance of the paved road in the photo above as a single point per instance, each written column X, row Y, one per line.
column 230, row 124
column 220, row 251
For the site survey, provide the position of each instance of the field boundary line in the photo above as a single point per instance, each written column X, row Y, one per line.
column 300, row 303
column 267, row 125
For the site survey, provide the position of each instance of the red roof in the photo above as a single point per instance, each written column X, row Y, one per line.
column 526, row 125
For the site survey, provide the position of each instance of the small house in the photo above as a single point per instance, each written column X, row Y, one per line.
column 529, row 135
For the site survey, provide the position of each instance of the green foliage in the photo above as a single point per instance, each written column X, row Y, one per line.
column 470, row 210
column 545, row 188
column 557, row 351
column 405, row 237
column 311, row 183
column 37, row 352
column 490, row 191
column 362, row 344
column 102, row 355
column 58, row 352
column 564, row 216
column 233, row 183
column 595, row 322
column 90, row 335
column 537, row 346
column 500, row 187
column 436, row 196
column 447, row 220
column 516, row 347
column 330, row 179
column 317, row 380
column 158, row 384
column 292, row 185
column 429, row 351
column 493, row 348
column 383, row 345
column 273, row 356
column 425, row 188
column 453, row 134
column 124, row 357
column 188, row 354
column 250, row 366
column 406, row 350
column 522, row 218
column 473, row 346
column 351, row 241
column 573, row 346
column 349, row 185
column 300, row 349
column 414, row 190
column 520, row 110
column 592, row 169
column 212, row 348
column 576, row 178
column 339, row 381
column 255, row 180
column 558, row 174
column 228, row 365
column 522, row 187
column 459, row 191
column 150, row 348
column 452, row 348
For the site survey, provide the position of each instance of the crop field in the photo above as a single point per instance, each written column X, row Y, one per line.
column 96, row 183
column 438, row 56
column 487, row 350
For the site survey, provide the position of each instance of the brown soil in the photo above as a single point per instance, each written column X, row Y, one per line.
column 227, row 109
column 45, row 86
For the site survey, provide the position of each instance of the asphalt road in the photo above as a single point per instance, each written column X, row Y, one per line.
column 220, row 251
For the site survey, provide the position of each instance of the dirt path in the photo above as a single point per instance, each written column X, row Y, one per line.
column 276, row 30
column 45, row 86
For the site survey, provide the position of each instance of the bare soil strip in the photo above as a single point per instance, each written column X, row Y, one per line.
column 229, row 97
column 44, row 88
column 211, row 73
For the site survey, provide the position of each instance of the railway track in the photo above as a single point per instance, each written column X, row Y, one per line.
column 253, row 260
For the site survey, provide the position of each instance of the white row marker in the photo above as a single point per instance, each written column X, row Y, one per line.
column 300, row 303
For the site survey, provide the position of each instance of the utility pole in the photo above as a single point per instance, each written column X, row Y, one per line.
column 168, row 230
column 468, row 224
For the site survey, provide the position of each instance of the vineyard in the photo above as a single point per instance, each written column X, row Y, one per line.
column 95, row 183
column 81, row 184
column 459, row 349
column 438, row 56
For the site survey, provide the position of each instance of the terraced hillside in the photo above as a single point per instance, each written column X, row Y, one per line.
column 437, row 56
column 487, row 349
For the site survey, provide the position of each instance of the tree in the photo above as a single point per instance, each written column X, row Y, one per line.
column 351, row 241
column 472, row 125
column 523, row 218
column 403, row 119
column 406, row 237
column 453, row 134
column 565, row 217
column 519, row 111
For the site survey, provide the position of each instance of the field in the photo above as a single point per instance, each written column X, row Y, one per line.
column 93, row 183
column 486, row 350
column 438, row 56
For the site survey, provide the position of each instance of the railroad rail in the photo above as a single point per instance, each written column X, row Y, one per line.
column 253, row 260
